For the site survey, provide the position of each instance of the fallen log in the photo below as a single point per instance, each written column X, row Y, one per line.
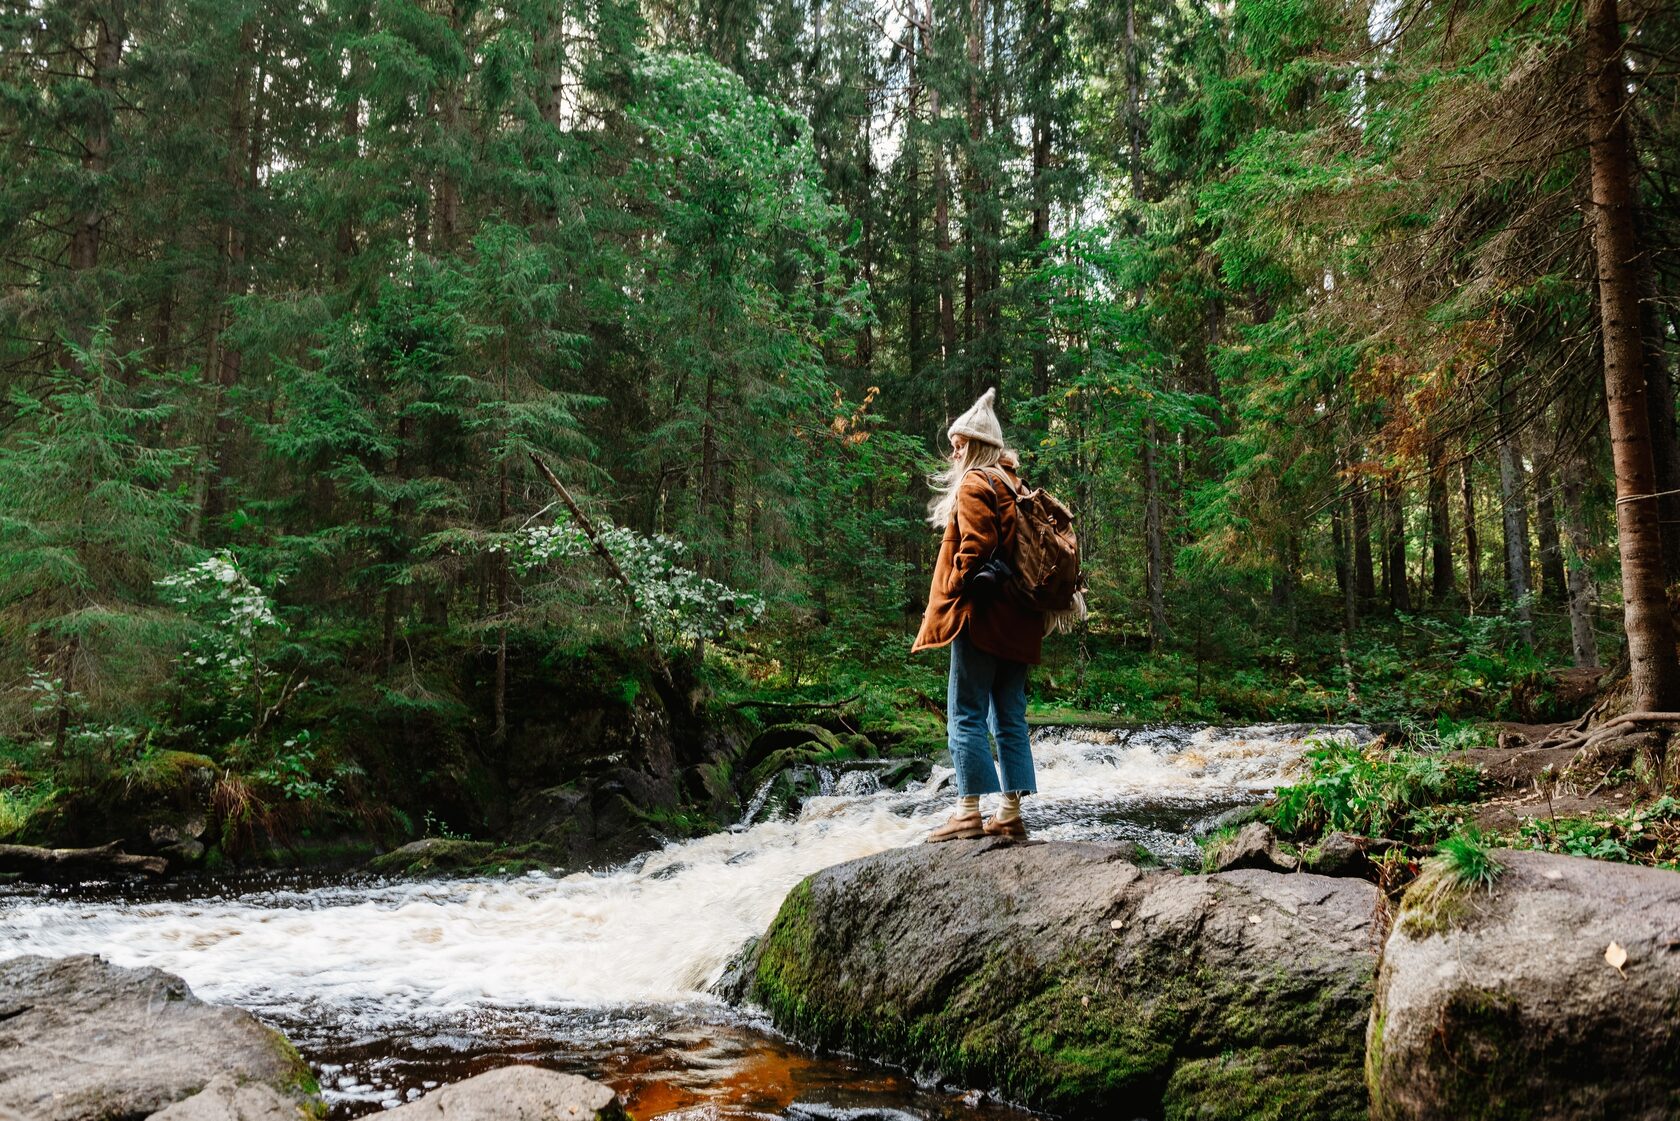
column 43, row 865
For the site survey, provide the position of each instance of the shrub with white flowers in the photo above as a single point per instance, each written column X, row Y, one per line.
column 235, row 618
column 678, row 600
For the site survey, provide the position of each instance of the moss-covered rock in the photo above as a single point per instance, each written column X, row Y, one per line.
column 1501, row 1004
column 1079, row 983
column 433, row 854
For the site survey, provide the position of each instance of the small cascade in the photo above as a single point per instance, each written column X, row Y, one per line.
column 622, row 954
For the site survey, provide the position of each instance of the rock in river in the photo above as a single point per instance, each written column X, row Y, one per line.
column 1508, row 1002
column 1076, row 982
column 83, row 1039
column 518, row 1093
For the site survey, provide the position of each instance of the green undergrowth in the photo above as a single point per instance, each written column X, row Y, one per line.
column 1372, row 791
column 1243, row 668
column 1646, row 833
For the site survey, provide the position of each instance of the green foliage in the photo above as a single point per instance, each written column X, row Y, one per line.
column 1367, row 791
column 1644, row 834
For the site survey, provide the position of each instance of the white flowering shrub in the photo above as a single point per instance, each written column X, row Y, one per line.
column 680, row 602
column 235, row 626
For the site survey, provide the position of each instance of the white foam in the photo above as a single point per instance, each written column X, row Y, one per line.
column 658, row 930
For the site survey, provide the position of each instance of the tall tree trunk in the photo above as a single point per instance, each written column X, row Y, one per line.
column 1365, row 580
column 1552, row 580
column 1513, row 505
column 1655, row 671
column 1394, row 510
column 1578, row 545
column 973, row 266
column 224, row 361
column 1472, row 540
column 942, row 227
column 109, row 32
column 1344, row 566
column 1154, row 537
column 1440, row 530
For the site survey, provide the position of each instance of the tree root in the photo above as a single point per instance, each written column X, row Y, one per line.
column 1584, row 740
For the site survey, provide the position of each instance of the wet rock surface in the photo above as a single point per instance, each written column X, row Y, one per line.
column 1079, row 983
column 81, row 1038
column 1503, row 1002
column 517, row 1093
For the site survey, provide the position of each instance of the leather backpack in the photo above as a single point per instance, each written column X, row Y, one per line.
column 1046, row 556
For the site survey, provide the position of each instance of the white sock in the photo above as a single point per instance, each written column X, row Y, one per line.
column 1010, row 808
column 968, row 804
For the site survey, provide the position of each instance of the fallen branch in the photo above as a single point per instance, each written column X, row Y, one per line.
column 43, row 865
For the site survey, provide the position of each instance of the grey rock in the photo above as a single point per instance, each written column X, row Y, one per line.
column 1339, row 854
column 183, row 852
column 1081, row 984
column 91, row 1040
column 226, row 1099
column 517, row 1093
column 1254, row 846
column 1501, row 1003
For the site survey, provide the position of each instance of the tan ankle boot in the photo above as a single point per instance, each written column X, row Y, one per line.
column 1012, row 828
column 959, row 827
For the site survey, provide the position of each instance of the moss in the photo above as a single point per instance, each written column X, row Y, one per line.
column 1263, row 1085
column 1090, row 1031
column 1437, row 902
column 1481, row 1054
column 435, row 854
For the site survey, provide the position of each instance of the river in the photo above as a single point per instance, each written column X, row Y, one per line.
column 392, row 987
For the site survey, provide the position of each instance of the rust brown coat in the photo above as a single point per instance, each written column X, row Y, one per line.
column 984, row 522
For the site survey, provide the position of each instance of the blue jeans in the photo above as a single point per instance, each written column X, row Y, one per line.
column 987, row 693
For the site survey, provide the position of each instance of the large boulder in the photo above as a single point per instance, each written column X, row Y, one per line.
column 1508, row 1002
column 517, row 1093
column 83, row 1039
column 1076, row 982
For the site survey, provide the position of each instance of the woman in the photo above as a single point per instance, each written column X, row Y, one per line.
column 993, row 638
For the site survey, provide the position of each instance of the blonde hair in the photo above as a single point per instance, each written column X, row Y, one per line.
column 976, row 454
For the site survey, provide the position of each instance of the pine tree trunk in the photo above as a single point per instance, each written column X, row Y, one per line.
column 1472, row 540
column 1440, row 530
column 1345, row 583
column 85, row 236
column 1365, row 580
column 1552, row 580
column 1513, row 505
column 1582, row 595
column 942, row 227
column 1655, row 671
column 915, row 331
column 1394, row 509
column 1155, row 542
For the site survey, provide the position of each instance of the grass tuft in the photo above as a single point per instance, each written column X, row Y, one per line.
column 1468, row 858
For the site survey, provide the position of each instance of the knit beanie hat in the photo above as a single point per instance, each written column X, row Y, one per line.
column 980, row 422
